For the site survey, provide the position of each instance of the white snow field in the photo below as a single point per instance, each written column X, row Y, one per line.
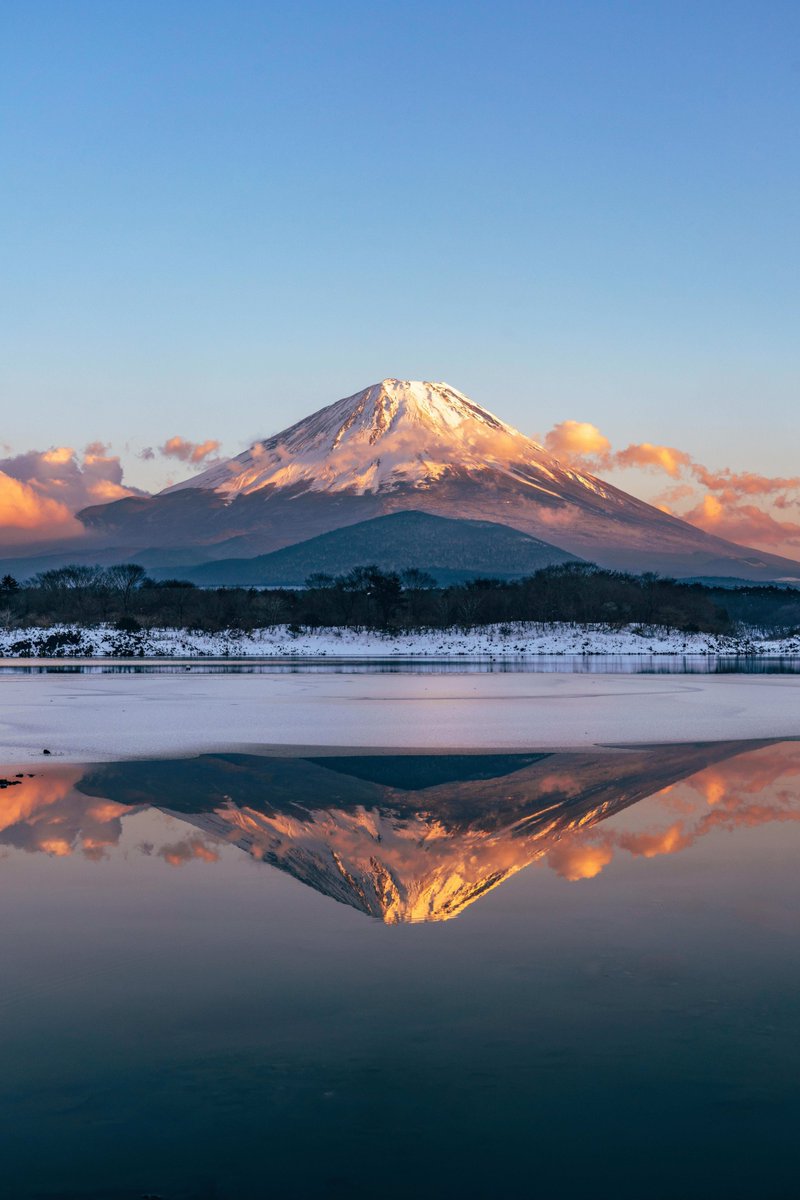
column 511, row 641
column 90, row 718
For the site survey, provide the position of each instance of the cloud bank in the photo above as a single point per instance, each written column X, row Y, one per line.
column 741, row 506
column 41, row 490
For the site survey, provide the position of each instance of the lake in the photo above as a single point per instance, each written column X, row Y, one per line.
column 538, row 973
column 575, row 664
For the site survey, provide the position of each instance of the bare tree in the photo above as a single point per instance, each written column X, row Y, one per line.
column 125, row 578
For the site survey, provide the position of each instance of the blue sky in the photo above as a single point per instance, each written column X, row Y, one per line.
column 220, row 216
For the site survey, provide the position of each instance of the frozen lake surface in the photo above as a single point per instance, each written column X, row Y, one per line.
column 93, row 717
column 346, row 973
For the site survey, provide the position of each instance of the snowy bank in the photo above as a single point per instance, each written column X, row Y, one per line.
column 510, row 641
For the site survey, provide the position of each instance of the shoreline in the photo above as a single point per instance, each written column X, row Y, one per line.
column 520, row 641
column 107, row 717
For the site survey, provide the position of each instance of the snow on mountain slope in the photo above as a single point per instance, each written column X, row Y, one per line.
column 394, row 433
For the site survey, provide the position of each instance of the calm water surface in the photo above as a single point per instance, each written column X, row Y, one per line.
column 580, row 664
column 541, row 974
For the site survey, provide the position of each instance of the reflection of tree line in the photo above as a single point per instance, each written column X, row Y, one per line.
column 369, row 597
column 407, row 838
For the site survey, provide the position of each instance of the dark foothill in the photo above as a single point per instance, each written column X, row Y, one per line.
column 4, row 783
column 46, row 752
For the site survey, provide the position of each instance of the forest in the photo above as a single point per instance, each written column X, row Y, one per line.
column 367, row 597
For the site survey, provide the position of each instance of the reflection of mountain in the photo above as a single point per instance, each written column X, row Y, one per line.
column 402, row 837
column 413, row 837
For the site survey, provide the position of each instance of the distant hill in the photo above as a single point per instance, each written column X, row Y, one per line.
column 450, row 550
column 726, row 581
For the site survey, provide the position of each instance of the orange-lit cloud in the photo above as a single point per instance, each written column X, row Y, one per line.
column 27, row 516
column 746, row 523
column 180, row 853
column 740, row 506
column 768, row 770
column 573, row 440
column 711, row 784
column 41, row 490
column 193, row 453
column 650, row 845
column 45, row 814
column 759, row 787
column 573, row 859
column 660, row 458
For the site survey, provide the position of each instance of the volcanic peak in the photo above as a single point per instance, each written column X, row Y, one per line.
column 397, row 432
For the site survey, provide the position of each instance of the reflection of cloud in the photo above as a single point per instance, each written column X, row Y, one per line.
column 45, row 814
column 650, row 845
column 42, row 489
column 573, row 859
column 681, row 835
column 756, row 788
column 180, row 853
column 30, row 797
column 754, row 773
column 711, row 784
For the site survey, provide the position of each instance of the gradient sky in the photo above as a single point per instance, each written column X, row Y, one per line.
column 219, row 216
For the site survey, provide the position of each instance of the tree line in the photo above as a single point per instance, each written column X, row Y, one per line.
column 368, row 597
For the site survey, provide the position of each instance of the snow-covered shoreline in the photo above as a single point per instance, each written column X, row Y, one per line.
column 510, row 641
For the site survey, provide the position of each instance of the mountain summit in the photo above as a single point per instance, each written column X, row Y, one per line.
column 401, row 445
column 393, row 434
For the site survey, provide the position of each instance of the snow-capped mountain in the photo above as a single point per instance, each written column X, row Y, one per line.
column 392, row 435
column 402, row 445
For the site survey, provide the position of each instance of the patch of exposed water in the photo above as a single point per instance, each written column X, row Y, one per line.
column 579, row 664
column 240, row 975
